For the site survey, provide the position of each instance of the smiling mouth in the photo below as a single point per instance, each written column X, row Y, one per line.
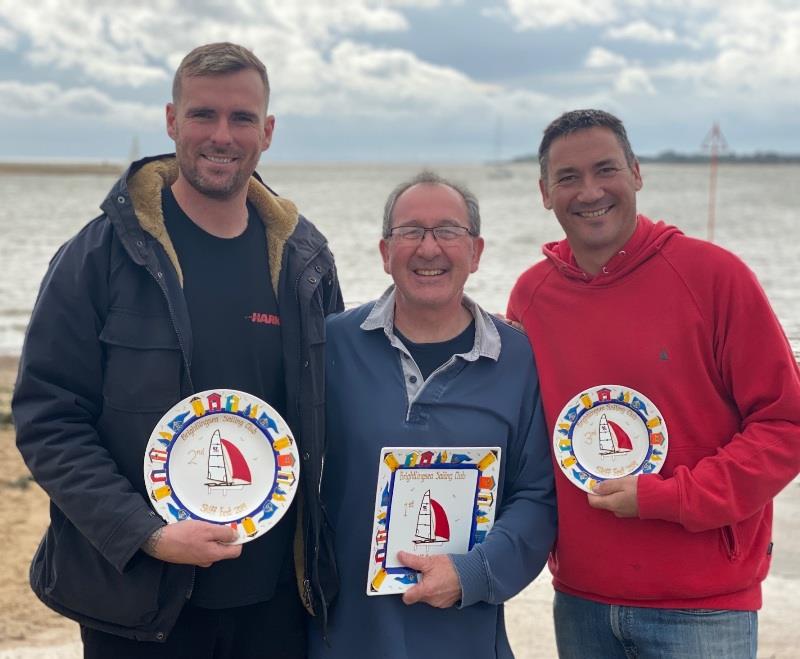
column 219, row 160
column 429, row 273
column 589, row 215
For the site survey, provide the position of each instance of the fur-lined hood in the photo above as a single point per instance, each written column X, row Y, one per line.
column 145, row 182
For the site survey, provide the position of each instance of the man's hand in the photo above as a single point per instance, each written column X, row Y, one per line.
column 439, row 587
column 192, row 542
column 508, row 321
column 617, row 495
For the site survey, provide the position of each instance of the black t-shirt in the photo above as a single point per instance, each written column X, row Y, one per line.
column 430, row 356
column 236, row 345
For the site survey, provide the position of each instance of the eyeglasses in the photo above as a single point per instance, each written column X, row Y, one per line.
column 443, row 234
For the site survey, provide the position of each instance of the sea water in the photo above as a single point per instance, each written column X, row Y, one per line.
column 756, row 209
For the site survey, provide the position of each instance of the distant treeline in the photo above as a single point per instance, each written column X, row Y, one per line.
column 61, row 168
column 759, row 157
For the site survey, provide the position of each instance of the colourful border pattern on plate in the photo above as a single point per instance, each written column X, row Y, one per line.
column 282, row 484
column 388, row 581
column 647, row 435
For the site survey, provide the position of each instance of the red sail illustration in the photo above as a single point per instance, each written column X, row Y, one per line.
column 432, row 524
column 239, row 469
column 440, row 524
column 226, row 464
column 612, row 438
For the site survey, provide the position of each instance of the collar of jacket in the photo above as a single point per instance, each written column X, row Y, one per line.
column 487, row 338
column 134, row 205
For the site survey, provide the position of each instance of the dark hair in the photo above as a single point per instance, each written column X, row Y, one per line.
column 218, row 59
column 427, row 177
column 576, row 120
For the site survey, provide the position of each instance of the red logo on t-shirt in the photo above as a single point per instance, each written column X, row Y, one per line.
column 264, row 318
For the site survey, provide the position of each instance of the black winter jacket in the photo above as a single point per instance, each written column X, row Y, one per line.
column 107, row 352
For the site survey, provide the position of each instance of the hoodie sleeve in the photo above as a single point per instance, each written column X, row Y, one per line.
column 762, row 382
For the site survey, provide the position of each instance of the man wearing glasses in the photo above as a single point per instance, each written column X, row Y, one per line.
column 424, row 366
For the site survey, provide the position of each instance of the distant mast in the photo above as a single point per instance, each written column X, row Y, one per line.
column 499, row 170
column 714, row 142
column 133, row 154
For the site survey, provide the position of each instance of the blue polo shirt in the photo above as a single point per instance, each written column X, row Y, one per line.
column 486, row 396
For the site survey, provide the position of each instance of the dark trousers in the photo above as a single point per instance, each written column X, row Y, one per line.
column 267, row 630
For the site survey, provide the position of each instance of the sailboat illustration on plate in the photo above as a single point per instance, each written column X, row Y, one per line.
column 227, row 467
column 612, row 438
column 432, row 523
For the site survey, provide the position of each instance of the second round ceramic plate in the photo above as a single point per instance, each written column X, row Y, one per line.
column 222, row 456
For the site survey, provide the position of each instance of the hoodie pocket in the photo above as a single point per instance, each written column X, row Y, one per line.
column 731, row 543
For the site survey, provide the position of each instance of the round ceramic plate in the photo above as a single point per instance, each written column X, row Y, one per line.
column 606, row 432
column 222, row 456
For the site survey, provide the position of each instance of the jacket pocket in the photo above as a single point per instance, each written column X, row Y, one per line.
column 75, row 577
column 142, row 362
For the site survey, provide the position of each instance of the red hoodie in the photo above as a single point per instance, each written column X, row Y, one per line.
column 686, row 324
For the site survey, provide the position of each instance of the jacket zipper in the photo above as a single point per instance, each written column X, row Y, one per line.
column 163, row 287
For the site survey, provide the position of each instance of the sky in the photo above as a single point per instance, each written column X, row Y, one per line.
column 406, row 80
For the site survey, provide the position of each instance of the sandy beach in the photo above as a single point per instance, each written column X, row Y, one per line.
column 28, row 630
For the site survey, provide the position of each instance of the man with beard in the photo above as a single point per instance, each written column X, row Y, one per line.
column 195, row 276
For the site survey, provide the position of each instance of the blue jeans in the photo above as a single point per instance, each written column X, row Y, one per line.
column 590, row 630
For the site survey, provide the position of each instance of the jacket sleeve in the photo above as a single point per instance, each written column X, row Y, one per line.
column 58, row 399
column 332, row 299
column 760, row 378
column 517, row 547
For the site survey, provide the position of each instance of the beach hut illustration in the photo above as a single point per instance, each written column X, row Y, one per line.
column 432, row 524
column 226, row 464
column 612, row 438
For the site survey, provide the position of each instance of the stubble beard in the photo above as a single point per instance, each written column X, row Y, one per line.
column 214, row 189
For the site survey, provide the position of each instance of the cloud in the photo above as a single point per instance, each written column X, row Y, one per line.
column 8, row 40
column 643, row 31
column 50, row 100
column 542, row 14
column 132, row 45
column 362, row 81
column 600, row 58
column 418, row 4
column 314, row 70
column 634, row 80
column 100, row 58
column 755, row 48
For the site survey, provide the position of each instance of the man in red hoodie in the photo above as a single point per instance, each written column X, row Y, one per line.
column 674, row 402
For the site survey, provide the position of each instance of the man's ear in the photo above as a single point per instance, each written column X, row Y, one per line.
column 172, row 116
column 383, row 246
column 638, row 182
column 545, row 195
column 477, row 250
column 269, row 128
